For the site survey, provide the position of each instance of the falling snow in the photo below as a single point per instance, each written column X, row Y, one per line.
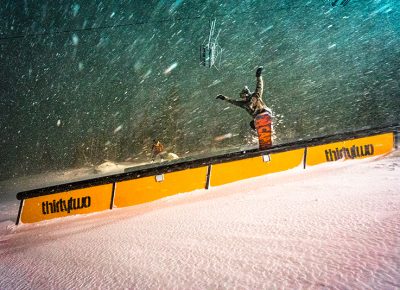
column 327, row 69
column 119, row 128
column 171, row 68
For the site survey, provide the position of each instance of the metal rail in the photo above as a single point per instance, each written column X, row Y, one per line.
column 139, row 172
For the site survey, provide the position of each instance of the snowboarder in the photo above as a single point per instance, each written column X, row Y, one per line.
column 254, row 105
column 251, row 102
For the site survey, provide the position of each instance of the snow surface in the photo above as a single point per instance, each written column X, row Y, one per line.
column 333, row 226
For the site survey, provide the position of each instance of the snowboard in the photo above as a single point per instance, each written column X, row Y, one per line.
column 263, row 124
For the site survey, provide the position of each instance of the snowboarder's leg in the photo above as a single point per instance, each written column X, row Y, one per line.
column 252, row 125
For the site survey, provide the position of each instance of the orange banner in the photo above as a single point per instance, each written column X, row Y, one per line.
column 350, row 149
column 68, row 203
column 150, row 188
column 251, row 167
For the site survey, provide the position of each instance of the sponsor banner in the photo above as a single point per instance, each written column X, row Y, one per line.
column 350, row 149
column 251, row 167
column 79, row 201
column 150, row 188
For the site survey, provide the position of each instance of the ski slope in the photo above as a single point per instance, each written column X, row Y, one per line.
column 332, row 226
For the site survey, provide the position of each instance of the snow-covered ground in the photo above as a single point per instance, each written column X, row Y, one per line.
column 333, row 226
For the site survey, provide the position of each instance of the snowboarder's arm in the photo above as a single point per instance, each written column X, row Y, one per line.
column 260, row 84
column 236, row 103
column 233, row 102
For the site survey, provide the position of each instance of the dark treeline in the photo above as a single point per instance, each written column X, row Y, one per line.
column 86, row 82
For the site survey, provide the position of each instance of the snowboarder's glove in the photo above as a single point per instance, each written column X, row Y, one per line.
column 259, row 71
column 221, row 97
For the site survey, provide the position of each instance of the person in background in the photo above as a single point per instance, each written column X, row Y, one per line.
column 156, row 149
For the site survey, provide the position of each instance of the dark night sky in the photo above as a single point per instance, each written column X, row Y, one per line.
column 124, row 73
